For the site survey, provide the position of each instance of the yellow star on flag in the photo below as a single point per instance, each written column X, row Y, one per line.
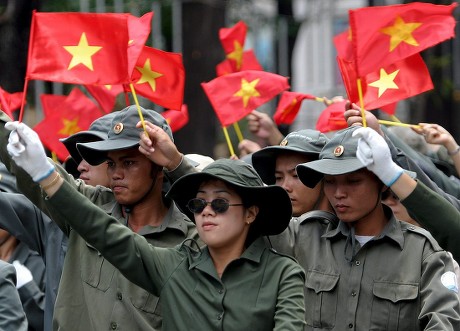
column 82, row 53
column 248, row 90
column 400, row 32
column 148, row 75
column 385, row 82
column 70, row 127
column 237, row 54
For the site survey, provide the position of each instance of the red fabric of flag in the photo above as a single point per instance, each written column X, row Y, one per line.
column 332, row 118
column 10, row 101
column 235, row 95
column 289, row 106
column 75, row 114
column 79, row 48
column 390, row 109
column 232, row 40
column 51, row 103
column 385, row 34
column 160, row 77
column 176, row 119
column 250, row 62
column 138, row 30
column 105, row 95
column 343, row 46
column 388, row 84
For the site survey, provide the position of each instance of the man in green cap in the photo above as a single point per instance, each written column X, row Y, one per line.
column 373, row 272
column 93, row 294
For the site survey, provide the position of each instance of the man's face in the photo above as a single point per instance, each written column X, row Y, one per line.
column 303, row 198
column 354, row 196
column 93, row 175
column 130, row 175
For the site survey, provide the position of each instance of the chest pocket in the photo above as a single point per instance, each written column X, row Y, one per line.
column 96, row 271
column 321, row 299
column 394, row 306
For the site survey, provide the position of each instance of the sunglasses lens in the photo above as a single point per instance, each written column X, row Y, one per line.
column 219, row 205
column 196, row 205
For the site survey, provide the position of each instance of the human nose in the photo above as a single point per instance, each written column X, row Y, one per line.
column 83, row 166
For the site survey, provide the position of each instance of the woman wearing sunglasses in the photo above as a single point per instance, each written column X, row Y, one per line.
column 234, row 282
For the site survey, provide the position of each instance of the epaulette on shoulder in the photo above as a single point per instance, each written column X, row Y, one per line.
column 421, row 232
column 282, row 254
column 319, row 215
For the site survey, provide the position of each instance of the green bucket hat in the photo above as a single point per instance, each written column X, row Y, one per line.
column 122, row 134
column 306, row 142
column 337, row 157
column 97, row 131
column 275, row 208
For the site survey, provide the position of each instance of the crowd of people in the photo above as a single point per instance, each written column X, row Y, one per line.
column 353, row 230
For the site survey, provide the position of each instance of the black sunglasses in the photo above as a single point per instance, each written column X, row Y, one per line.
column 219, row 206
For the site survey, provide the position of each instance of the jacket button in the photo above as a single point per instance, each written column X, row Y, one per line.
column 113, row 326
column 219, row 317
column 353, row 294
column 357, row 262
column 350, row 326
column 119, row 296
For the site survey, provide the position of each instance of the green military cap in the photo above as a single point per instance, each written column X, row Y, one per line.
column 305, row 142
column 275, row 208
column 97, row 131
column 337, row 157
column 122, row 134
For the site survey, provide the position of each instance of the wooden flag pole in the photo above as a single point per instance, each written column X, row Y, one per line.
column 236, row 126
column 138, row 108
column 229, row 143
column 399, row 124
column 361, row 102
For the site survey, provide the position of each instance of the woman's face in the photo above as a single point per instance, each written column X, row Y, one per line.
column 223, row 230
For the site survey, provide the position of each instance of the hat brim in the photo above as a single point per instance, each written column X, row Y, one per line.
column 96, row 152
column 70, row 142
column 264, row 160
column 275, row 209
column 311, row 173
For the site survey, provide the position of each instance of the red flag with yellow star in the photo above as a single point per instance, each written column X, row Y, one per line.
column 232, row 40
column 74, row 114
column 138, row 30
column 250, row 62
column 234, row 96
column 289, row 106
column 160, row 77
column 176, row 119
column 105, row 95
column 385, row 34
column 388, row 84
column 79, row 48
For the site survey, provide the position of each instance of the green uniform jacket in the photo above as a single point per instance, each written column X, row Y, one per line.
column 93, row 294
column 442, row 221
column 397, row 281
column 262, row 290
column 12, row 316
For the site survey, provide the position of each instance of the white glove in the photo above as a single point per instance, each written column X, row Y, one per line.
column 23, row 274
column 374, row 153
column 27, row 151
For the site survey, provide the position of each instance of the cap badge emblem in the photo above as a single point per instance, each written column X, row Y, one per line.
column 118, row 128
column 284, row 142
column 338, row 150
